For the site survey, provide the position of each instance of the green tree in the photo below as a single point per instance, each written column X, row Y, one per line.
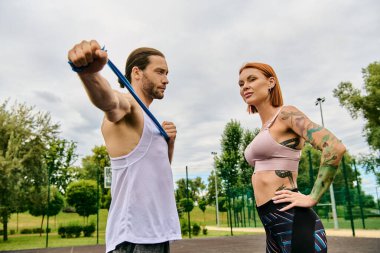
column 98, row 160
column 23, row 137
column 180, row 191
column 59, row 159
column 82, row 196
column 186, row 204
column 366, row 105
column 228, row 162
column 107, row 200
column 210, row 194
column 196, row 186
column 371, row 163
column 93, row 166
column 202, row 204
column 38, row 205
column 222, row 205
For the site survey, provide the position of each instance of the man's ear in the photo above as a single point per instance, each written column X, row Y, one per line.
column 136, row 73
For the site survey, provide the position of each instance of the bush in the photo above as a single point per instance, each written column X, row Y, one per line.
column 186, row 204
column 12, row 232
column 88, row 230
column 73, row 231
column 26, row 231
column 204, row 230
column 62, row 232
column 70, row 231
column 184, row 227
column 196, row 229
column 69, row 209
column 38, row 230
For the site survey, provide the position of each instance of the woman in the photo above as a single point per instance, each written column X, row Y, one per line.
column 290, row 223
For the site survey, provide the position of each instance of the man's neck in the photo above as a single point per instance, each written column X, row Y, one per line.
column 143, row 97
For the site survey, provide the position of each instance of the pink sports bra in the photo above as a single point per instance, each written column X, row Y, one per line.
column 265, row 154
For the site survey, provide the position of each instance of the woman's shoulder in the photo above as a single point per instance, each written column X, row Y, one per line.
column 289, row 108
column 289, row 113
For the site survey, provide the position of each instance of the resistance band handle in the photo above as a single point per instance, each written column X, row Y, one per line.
column 127, row 85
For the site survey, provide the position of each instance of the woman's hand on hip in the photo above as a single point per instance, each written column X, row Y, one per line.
column 294, row 199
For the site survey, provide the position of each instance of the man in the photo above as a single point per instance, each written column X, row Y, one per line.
column 143, row 215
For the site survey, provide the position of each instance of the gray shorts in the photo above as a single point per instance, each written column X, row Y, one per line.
column 127, row 247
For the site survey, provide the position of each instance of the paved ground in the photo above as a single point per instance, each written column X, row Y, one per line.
column 358, row 233
column 235, row 244
column 330, row 232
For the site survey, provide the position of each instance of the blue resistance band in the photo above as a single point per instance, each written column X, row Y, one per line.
column 127, row 85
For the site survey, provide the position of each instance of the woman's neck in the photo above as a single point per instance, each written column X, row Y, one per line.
column 266, row 112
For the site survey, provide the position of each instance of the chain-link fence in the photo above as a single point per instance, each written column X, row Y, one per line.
column 354, row 207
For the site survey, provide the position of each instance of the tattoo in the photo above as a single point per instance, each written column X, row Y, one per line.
column 321, row 139
column 291, row 143
column 330, row 158
column 283, row 187
column 325, row 177
column 312, row 128
column 296, row 116
column 329, row 155
column 300, row 123
column 288, row 174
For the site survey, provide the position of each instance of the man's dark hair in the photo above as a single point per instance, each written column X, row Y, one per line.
column 139, row 58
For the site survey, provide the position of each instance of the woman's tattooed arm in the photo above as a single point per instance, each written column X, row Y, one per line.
column 321, row 139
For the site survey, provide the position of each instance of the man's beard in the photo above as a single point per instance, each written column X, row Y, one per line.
column 150, row 89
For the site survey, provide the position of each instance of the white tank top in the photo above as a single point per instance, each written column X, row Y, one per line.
column 143, row 208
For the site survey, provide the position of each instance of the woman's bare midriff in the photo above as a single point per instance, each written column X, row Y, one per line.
column 266, row 183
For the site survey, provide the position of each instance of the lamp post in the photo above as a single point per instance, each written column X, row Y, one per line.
column 216, row 190
column 319, row 102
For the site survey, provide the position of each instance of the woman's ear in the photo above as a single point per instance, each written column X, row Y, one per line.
column 272, row 83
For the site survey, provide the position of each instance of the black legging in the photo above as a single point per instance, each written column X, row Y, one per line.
column 297, row 230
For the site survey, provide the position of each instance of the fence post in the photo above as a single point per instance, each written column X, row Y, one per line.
column 229, row 206
column 359, row 194
column 348, row 196
column 249, row 209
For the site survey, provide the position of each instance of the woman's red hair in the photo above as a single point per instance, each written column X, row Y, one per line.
column 275, row 92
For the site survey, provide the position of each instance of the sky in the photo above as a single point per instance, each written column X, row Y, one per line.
column 312, row 45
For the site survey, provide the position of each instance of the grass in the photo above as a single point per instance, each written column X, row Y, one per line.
column 19, row 241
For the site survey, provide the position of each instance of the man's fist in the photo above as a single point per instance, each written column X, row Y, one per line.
column 88, row 54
